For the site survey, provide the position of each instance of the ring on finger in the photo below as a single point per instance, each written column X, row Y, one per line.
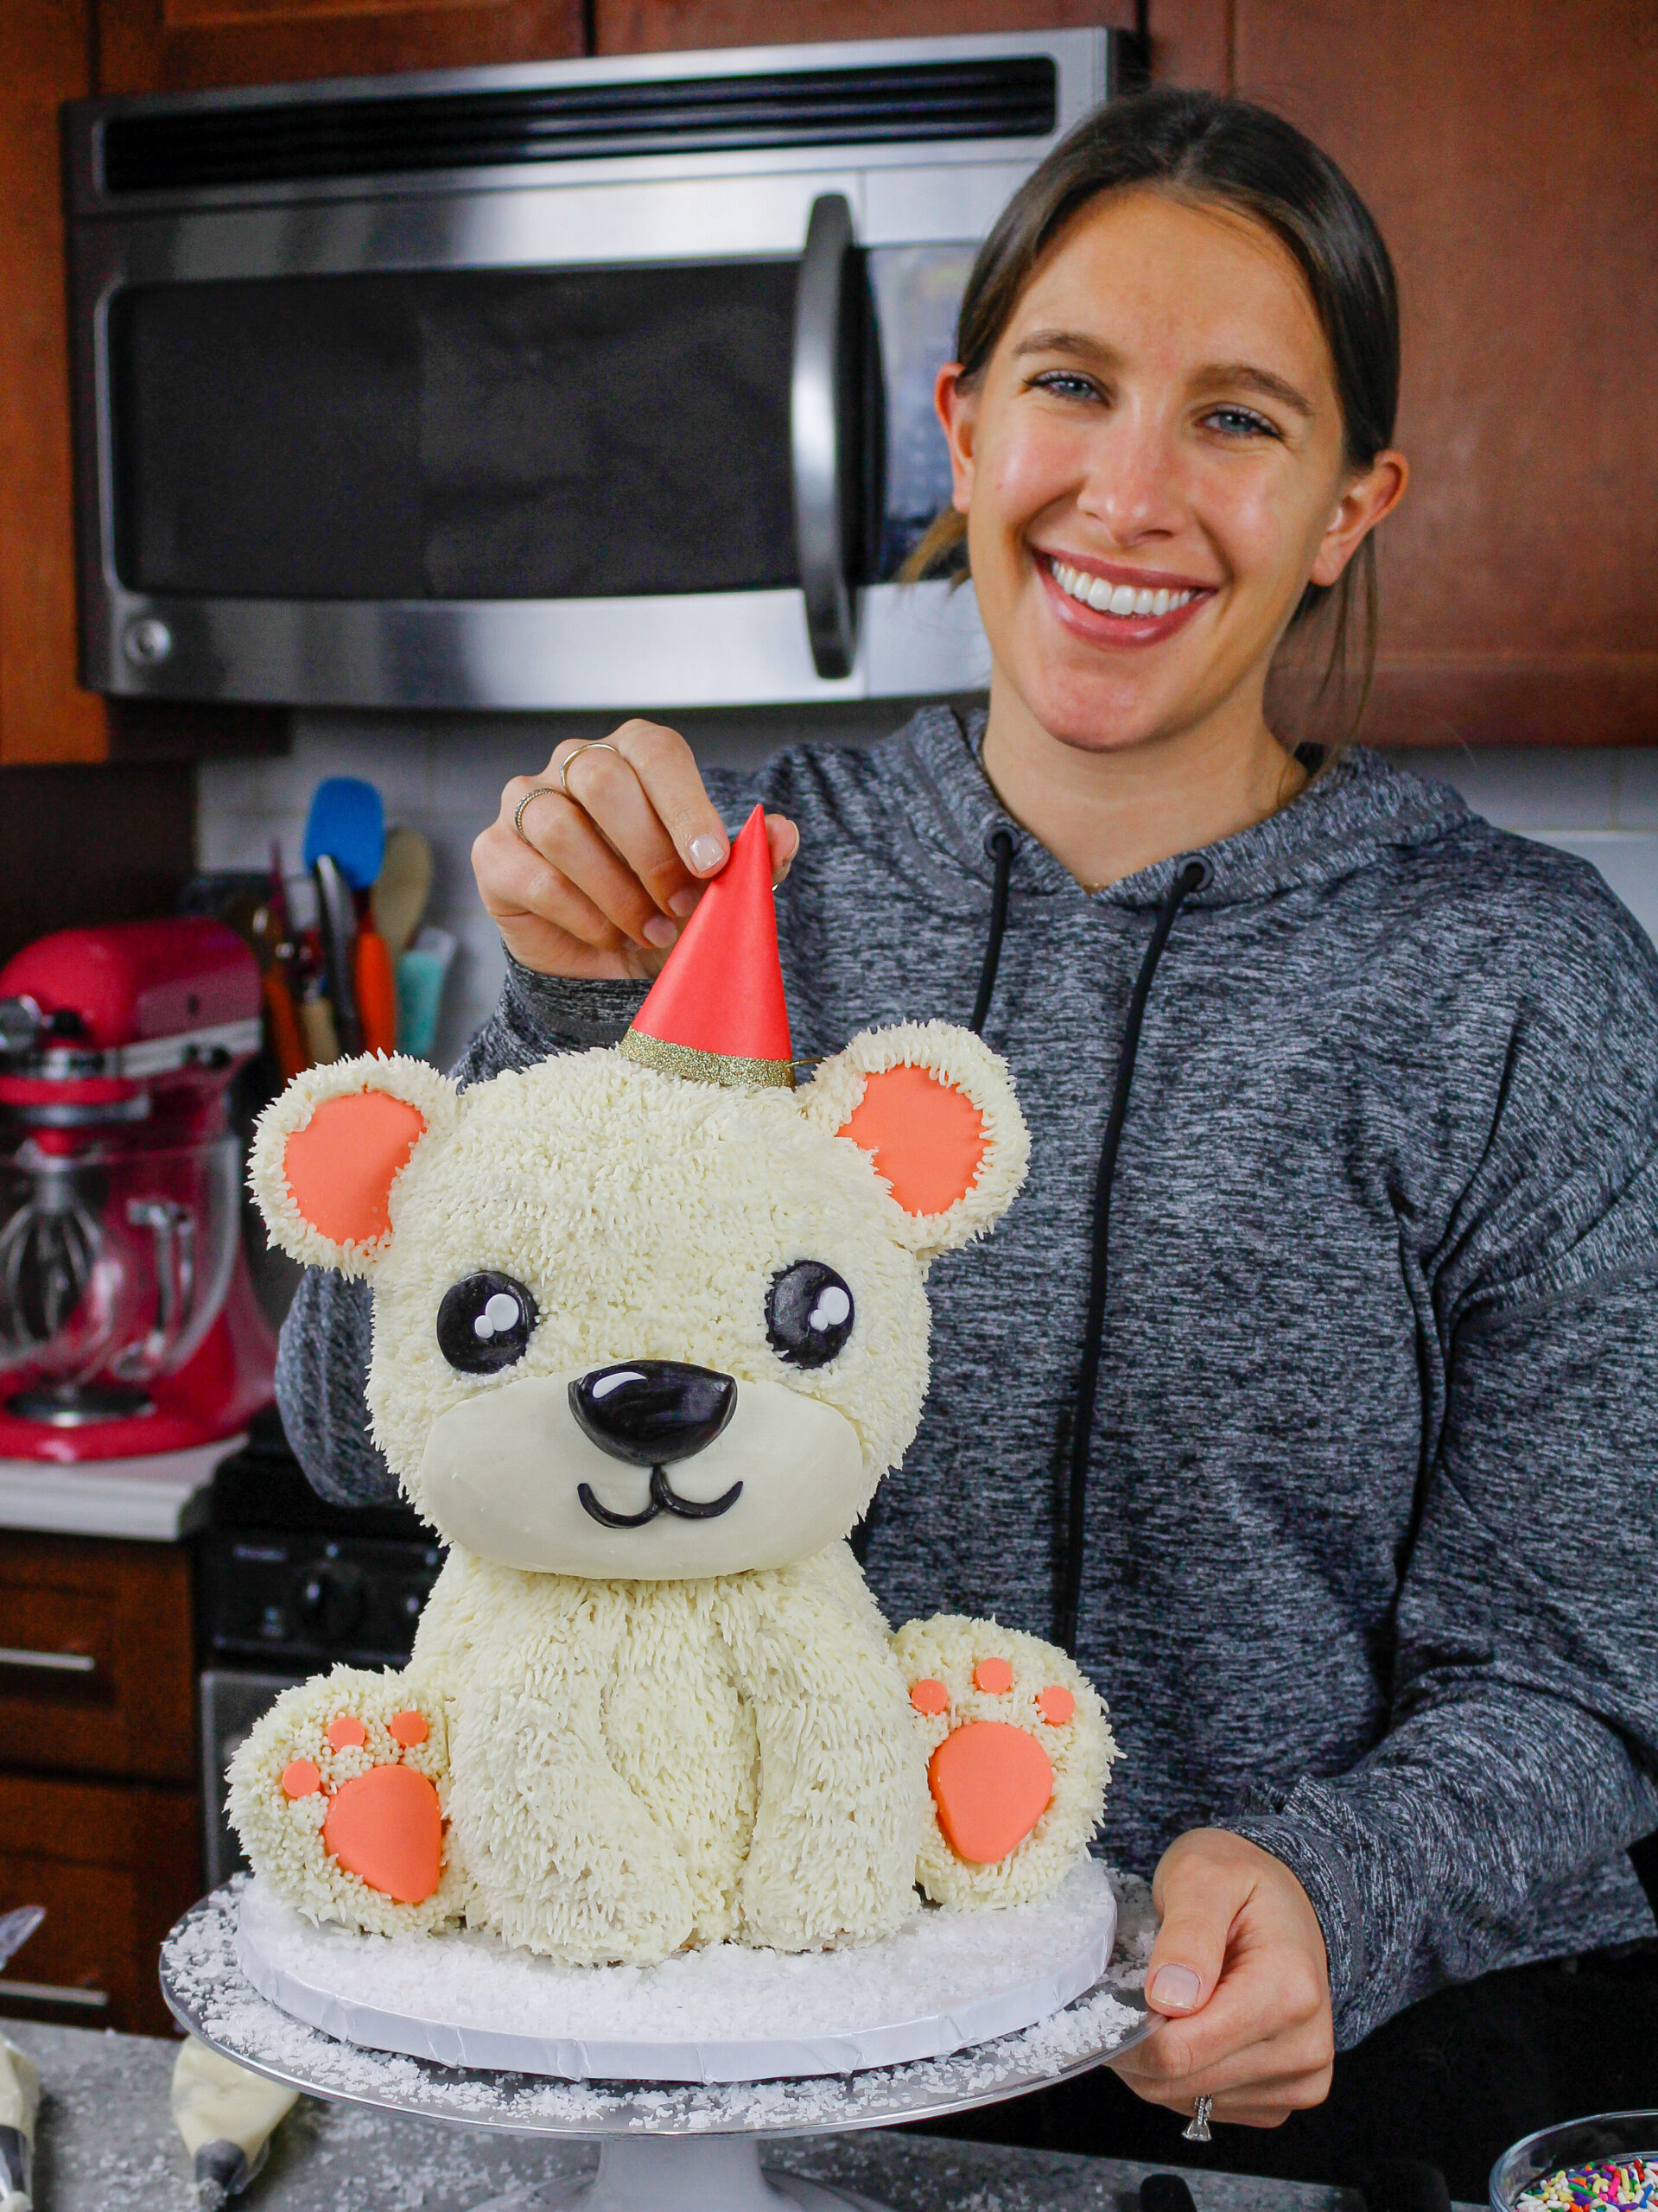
column 587, row 745
column 541, row 790
column 1196, row 2128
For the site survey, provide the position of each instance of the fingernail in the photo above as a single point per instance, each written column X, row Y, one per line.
column 707, row 852
column 684, row 902
column 659, row 930
column 1176, row 1987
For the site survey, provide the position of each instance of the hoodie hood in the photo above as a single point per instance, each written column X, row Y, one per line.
column 1358, row 808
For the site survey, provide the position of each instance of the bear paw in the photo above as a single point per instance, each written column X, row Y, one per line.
column 338, row 1795
column 1018, row 1749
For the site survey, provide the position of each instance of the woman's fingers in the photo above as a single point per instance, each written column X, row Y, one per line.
column 593, row 866
column 607, row 785
column 1238, row 1971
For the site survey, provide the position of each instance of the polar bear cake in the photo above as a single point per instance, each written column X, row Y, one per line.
column 650, row 1325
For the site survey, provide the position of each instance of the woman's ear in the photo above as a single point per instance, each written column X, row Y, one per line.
column 956, row 406
column 934, row 1108
column 1364, row 502
column 328, row 1154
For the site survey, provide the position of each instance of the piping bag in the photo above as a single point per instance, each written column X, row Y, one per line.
column 227, row 2117
column 20, row 2083
column 20, row 2103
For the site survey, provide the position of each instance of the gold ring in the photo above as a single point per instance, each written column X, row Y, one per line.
column 587, row 745
column 542, row 791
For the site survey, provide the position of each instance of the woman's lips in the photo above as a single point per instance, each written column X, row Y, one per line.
column 1101, row 627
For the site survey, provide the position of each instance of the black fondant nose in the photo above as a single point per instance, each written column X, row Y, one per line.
column 652, row 1412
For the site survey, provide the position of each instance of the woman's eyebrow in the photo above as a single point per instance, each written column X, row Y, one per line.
column 1245, row 376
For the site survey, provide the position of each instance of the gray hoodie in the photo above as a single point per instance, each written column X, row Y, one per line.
column 1371, row 1520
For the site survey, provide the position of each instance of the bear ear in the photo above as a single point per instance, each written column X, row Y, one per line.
column 328, row 1154
column 934, row 1108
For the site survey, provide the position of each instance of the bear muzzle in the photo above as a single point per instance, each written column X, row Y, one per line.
column 693, row 1472
column 653, row 1413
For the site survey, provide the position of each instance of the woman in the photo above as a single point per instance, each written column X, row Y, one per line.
column 1325, row 1476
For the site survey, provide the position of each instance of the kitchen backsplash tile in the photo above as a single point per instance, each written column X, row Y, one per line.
column 445, row 777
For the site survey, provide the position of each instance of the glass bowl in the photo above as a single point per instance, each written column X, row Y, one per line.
column 1605, row 2136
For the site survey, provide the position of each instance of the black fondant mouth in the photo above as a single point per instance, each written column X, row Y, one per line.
column 664, row 1499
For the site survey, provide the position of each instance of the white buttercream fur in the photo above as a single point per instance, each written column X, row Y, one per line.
column 693, row 1731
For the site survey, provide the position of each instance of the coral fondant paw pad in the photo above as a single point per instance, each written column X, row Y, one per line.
column 386, row 1825
column 991, row 1783
column 339, row 1794
column 1016, row 1748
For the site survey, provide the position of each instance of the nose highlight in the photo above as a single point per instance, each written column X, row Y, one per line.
column 651, row 1412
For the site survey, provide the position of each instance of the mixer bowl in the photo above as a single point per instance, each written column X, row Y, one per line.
column 114, row 1262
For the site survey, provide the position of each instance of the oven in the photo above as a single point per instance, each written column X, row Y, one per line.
column 603, row 384
column 287, row 1586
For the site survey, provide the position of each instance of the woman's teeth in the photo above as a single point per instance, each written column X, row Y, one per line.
column 1114, row 599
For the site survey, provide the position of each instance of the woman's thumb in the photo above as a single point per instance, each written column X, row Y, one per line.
column 1198, row 1910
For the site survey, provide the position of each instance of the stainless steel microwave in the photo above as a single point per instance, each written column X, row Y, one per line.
column 590, row 384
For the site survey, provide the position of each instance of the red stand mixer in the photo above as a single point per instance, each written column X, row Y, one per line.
column 128, row 1324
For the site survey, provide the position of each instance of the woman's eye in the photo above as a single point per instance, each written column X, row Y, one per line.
column 808, row 1314
column 1066, row 384
column 484, row 1323
column 1241, row 422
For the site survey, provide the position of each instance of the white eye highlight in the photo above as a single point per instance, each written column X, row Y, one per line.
column 833, row 1307
column 502, row 1312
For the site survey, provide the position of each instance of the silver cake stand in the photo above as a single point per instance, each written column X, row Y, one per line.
column 679, row 2148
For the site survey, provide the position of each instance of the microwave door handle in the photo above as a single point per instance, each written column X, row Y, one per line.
column 816, row 434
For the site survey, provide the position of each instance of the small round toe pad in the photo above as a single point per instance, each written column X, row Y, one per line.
column 991, row 1783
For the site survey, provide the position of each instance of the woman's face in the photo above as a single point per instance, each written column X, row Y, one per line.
column 1153, row 469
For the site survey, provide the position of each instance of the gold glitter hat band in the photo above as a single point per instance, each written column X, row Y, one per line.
column 728, row 1068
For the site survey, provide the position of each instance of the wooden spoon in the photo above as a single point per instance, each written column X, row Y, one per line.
column 403, row 887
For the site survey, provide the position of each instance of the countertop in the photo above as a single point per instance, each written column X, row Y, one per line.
column 153, row 1499
column 107, row 2145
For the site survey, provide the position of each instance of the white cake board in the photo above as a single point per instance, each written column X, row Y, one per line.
column 668, row 2148
column 729, row 2012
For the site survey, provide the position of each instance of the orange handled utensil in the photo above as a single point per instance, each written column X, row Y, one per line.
column 377, row 992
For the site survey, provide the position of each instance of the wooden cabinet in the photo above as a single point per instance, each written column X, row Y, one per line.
column 1509, row 154
column 99, row 1817
column 152, row 46
column 44, row 715
column 114, row 1868
column 656, row 26
column 96, row 1672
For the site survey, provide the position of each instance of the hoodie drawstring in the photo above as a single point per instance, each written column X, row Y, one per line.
column 1000, row 845
column 1192, row 877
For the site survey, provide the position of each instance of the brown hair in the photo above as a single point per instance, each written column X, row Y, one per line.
column 1224, row 153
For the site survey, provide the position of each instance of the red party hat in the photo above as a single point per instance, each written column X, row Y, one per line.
column 716, row 1014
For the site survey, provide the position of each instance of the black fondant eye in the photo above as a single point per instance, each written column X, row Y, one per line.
column 807, row 1314
column 484, row 1323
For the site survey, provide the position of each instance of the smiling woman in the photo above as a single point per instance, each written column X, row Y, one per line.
column 1308, row 1395
column 1169, row 423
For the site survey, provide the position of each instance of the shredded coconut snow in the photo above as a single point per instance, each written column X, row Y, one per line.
column 725, row 2013
column 206, row 1984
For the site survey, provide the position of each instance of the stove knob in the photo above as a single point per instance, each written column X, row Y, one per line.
column 329, row 1602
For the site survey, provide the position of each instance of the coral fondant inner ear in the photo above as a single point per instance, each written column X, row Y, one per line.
column 924, row 1136
column 340, row 1166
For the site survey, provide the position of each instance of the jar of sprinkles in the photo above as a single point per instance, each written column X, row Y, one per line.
column 1609, row 2160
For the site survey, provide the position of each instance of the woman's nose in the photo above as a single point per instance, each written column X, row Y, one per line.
column 652, row 1412
column 1133, row 485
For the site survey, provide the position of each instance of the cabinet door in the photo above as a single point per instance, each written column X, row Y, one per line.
column 1510, row 155
column 95, row 1657
column 43, row 715
column 151, row 46
column 654, row 26
column 114, row 1868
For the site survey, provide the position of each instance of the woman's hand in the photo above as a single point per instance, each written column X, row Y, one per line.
column 610, row 871
column 1240, row 1971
